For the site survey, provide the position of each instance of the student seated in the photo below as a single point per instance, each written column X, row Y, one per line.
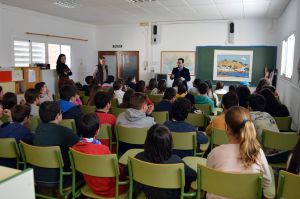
column 166, row 103
column 141, row 87
column 273, row 106
column 232, row 88
column 194, row 89
column 152, row 85
column 220, row 89
column 49, row 133
column 45, row 95
column 8, row 102
column 243, row 93
column 191, row 98
column 262, row 120
column 230, row 99
column 243, row 153
column 16, row 129
column 118, row 92
column 262, row 83
column 158, row 150
column 88, row 128
column 161, row 88
column 126, row 98
column 32, row 97
column 131, row 83
column 210, row 92
column 108, row 82
column 180, row 110
column 181, row 91
column 203, row 98
column 85, row 88
column 67, row 104
column 294, row 160
column 103, row 104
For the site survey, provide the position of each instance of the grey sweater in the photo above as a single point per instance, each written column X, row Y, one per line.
column 134, row 118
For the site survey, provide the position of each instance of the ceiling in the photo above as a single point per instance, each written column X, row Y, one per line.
column 102, row 12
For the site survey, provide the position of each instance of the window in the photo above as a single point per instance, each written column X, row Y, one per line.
column 54, row 50
column 28, row 52
column 287, row 56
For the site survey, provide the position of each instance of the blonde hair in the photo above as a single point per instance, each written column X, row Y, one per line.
column 238, row 119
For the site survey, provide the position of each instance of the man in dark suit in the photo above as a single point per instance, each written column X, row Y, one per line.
column 180, row 72
column 101, row 72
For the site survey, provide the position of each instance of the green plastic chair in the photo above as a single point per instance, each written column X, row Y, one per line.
column 34, row 122
column 279, row 141
column 85, row 100
column 160, row 117
column 186, row 141
column 87, row 109
column 205, row 108
column 288, row 185
column 218, row 137
column 220, row 97
column 55, row 97
column 231, row 185
column 105, row 132
column 9, row 149
column 155, row 98
column 283, row 123
column 4, row 118
column 117, row 111
column 98, row 166
column 197, row 120
column 114, row 102
column 69, row 123
column 81, row 93
column 130, row 135
column 166, row 176
column 47, row 158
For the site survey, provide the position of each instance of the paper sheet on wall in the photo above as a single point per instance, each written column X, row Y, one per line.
column 31, row 76
column 17, row 74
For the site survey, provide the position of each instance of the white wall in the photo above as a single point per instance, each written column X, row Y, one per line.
column 14, row 22
column 182, row 37
column 289, row 89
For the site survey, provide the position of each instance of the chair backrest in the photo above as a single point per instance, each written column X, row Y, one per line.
column 85, row 99
column 105, row 132
column 205, row 108
column 9, row 148
column 98, row 165
column 218, row 137
column 288, row 185
column 220, row 97
column 166, row 176
column 114, row 102
column 34, row 122
column 56, row 97
column 81, row 93
column 160, row 117
column 197, row 120
column 283, row 123
column 131, row 135
column 87, row 109
column 69, row 123
column 116, row 111
column 45, row 157
column 279, row 141
column 231, row 185
column 184, row 141
column 155, row 98
column 4, row 118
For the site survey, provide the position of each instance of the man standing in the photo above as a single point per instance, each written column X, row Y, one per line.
column 101, row 72
column 180, row 72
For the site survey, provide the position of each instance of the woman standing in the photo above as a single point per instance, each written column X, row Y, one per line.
column 63, row 71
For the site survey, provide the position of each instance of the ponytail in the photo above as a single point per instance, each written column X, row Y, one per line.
column 249, row 146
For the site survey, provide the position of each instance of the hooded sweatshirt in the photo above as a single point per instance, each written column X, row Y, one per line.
column 134, row 118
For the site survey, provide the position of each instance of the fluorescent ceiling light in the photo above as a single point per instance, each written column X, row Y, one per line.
column 140, row 1
column 66, row 3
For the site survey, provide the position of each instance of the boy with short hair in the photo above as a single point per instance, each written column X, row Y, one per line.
column 32, row 99
column 180, row 110
column 45, row 96
column 67, row 104
column 88, row 127
column 16, row 129
column 49, row 133
column 229, row 99
column 85, row 88
column 118, row 93
column 166, row 103
column 203, row 98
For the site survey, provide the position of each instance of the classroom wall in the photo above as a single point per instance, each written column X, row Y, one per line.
column 179, row 36
column 289, row 89
column 14, row 22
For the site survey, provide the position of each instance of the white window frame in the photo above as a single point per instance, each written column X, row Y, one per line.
column 287, row 56
column 59, row 44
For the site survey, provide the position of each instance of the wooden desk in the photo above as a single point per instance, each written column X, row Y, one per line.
column 6, row 172
column 194, row 161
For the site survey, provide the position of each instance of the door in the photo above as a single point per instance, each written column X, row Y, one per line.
column 121, row 64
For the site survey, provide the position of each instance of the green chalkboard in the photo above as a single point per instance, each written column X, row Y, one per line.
column 263, row 56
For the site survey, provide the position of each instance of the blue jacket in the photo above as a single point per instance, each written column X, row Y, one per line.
column 164, row 105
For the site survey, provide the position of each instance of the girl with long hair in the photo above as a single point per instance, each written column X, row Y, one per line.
column 63, row 71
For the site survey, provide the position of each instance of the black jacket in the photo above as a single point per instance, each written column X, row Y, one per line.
column 185, row 73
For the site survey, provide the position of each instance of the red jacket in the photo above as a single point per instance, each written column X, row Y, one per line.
column 102, row 186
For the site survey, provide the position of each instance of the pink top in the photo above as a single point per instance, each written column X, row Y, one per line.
column 227, row 158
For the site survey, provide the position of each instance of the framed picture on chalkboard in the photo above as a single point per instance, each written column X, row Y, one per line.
column 169, row 61
column 233, row 65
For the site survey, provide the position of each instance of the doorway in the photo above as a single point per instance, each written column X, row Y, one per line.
column 121, row 64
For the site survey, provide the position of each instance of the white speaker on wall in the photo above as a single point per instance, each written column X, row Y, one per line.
column 231, row 32
column 155, row 34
